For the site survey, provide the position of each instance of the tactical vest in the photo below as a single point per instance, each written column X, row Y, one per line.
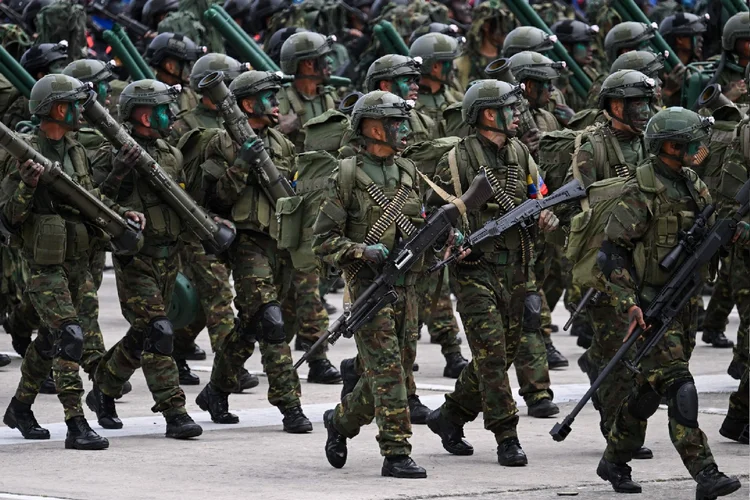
column 290, row 100
column 194, row 147
column 427, row 154
column 545, row 120
column 326, row 132
column 436, row 113
column 421, row 125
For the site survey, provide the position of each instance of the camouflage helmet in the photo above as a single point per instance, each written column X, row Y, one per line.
column 676, row 124
column 571, row 31
column 625, row 84
column 260, row 10
column 172, row 45
column 488, row 94
column 150, row 93
column 54, row 88
column 301, row 46
column 251, row 83
column 90, row 70
column 379, row 105
column 42, row 56
column 736, row 28
column 155, row 8
column 645, row 61
column 627, row 35
column 273, row 45
column 389, row 67
column 31, row 10
column 445, row 29
column 209, row 63
column 527, row 38
column 432, row 48
column 683, row 24
column 533, row 65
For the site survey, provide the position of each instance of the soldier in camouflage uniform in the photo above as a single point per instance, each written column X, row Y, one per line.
column 579, row 39
column 57, row 270
column 664, row 196
column 496, row 294
column 684, row 33
column 145, row 281
column 346, row 236
column 262, row 274
column 735, row 43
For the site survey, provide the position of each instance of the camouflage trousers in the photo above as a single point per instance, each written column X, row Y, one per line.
column 55, row 292
column 210, row 277
column 663, row 369
column 721, row 303
column 740, row 286
column 304, row 314
column 88, row 312
column 262, row 275
column 21, row 318
column 386, row 347
column 486, row 307
column 441, row 323
column 144, row 286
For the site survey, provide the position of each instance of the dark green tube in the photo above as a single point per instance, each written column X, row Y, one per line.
column 121, row 53
column 11, row 77
column 396, row 42
column 267, row 63
column 134, row 54
column 235, row 39
column 339, row 81
column 634, row 13
column 23, row 80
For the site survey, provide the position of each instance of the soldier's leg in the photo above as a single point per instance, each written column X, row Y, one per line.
column 22, row 319
column 441, row 322
column 93, row 341
column 718, row 309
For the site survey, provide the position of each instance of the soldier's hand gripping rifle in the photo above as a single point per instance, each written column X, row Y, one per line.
column 700, row 245
column 216, row 237
column 523, row 215
column 125, row 233
column 381, row 292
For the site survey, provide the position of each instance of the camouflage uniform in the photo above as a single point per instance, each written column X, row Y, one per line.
column 296, row 109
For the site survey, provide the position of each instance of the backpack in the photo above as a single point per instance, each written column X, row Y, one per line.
column 556, row 151
column 185, row 23
column 427, row 154
column 723, row 133
column 63, row 20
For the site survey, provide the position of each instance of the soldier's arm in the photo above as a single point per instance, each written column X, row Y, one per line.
column 329, row 240
column 106, row 179
column 586, row 165
column 16, row 198
column 224, row 176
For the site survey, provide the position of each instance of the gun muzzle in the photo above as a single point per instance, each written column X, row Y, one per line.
column 668, row 263
column 711, row 98
column 499, row 69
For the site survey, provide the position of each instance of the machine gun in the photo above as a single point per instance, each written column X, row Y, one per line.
column 523, row 216
column 381, row 292
column 675, row 294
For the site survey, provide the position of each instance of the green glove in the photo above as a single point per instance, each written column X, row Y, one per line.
column 375, row 253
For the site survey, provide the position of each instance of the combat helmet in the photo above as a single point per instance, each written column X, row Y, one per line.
column 736, row 28
column 90, row 70
column 676, row 124
column 432, row 48
column 389, row 67
column 260, row 10
column 150, row 93
column 379, row 105
column 683, row 24
column 627, row 35
column 209, row 63
column 625, row 84
column 443, row 28
column 488, row 94
column 527, row 38
column 273, row 45
column 301, row 46
column 43, row 56
column 172, row 45
column 251, row 83
column 645, row 61
column 155, row 8
column 54, row 88
column 570, row 31
column 533, row 65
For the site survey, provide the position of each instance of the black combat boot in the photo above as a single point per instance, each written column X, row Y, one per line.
column 454, row 365
column 403, row 467
column 713, row 483
column 4, row 359
column 295, row 421
column 618, row 476
column 323, row 372
column 415, row 367
column 104, row 407
column 451, row 435
column 196, row 354
column 735, row 429
column 418, row 412
column 81, row 437
column 643, row 453
column 187, row 377
column 19, row 416
column 216, row 403
column 544, row 408
column 182, row 427
column 736, row 369
column 246, row 381
column 336, row 451
column 348, row 375
column 48, row 386
column 716, row 339
column 510, row 454
column 555, row 359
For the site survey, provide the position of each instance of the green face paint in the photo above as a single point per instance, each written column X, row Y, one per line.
column 56, row 67
column 447, row 69
column 161, row 117
column 73, row 115
column 102, row 91
column 397, row 133
column 581, row 53
column 403, row 86
column 504, row 120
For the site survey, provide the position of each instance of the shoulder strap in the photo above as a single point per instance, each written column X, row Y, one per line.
column 329, row 101
column 347, row 179
column 295, row 102
column 647, row 180
column 455, row 177
column 521, row 156
column 577, row 171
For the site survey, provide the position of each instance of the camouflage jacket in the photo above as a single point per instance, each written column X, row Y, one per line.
column 198, row 117
column 296, row 109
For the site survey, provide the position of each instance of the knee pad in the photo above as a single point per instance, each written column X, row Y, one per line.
column 532, row 312
column 45, row 343
column 159, row 337
column 682, row 399
column 271, row 323
column 70, row 342
column 644, row 402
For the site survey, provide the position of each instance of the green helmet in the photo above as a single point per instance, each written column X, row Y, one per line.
column 432, row 48
column 570, row 31
column 389, row 67
column 625, row 84
column 527, row 38
column 150, row 93
column 301, row 46
column 43, row 57
column 90, row 70
column 533, row 65
column 736, row 28
column 627, row 35
column 379, row 105
column 209, row 63
column 54, row 88
column 172, row 45
column 488, row 94
column 683, row 24
column 676, row 124
column 644, row 61
column 251, row 83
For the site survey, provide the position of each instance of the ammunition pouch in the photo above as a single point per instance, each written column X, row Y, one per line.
column 288, row 231
column 70, row 342
column 45, row 239
column 159, row 337
column 163, row 221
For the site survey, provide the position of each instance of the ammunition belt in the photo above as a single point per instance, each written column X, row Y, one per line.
column 506, row 203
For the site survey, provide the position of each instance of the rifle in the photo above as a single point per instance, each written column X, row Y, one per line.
column 381, row 292
column 673, row 296
column 100, row 8
column 523, row 216
column 590, row 294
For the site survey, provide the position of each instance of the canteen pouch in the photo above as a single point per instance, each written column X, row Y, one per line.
column 289, row 217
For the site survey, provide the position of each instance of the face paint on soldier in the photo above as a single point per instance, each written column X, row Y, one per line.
column 161, row 119
column 73, row 118
column 56, row 67
column 102, row 92
column 583, row 53
column 696, row 153
column 267, row 105
column 538, row 93
column 637, row 113
column 406, row 87
column 397, row 133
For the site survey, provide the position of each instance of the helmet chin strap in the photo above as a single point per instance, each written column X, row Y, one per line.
column 503, row 131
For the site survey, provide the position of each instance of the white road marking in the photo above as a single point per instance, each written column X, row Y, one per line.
column 11, row 496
